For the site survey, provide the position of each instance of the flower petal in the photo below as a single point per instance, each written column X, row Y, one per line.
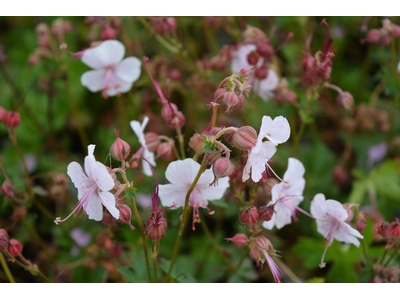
column 295, row 170
column 206, row 178
column 266, row 125
column 94, row 80
column 108, row 53
column 109, row 202
column 265, row 87
column 280, row 131
column 137, row 129
column 129, row 69
column 345, row 233
column 270, row 224
column 97, row 171
column 94, row 209
column 239, row 60
column 334, row 209
column 150, row 158
column 79, row 178
column 170, row 194
column 316, row 206
column 182, row 172
column 214, row 192
column 283, row 215
column 120, row 87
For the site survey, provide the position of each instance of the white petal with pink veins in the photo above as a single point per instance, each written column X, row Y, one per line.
column 345, row 233
column 94, row 80
column 94, row 209
column 334, row 209
column 129, row 69
column 170, row 194
column 316, row 206
column 215, row 192
column 108, row 201
column 280, row 131
column 295, row 170
column 182, row 172
column 119, row 88
column 108, row 53
column 79, row 178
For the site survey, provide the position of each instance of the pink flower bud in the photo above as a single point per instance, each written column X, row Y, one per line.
column 222, row 167
column 265, row 212
column 211, row 157
column 245, row 138
column 3, row 114
column 3, row 240
column 261, row 72
column 395, row 30
column 250, row 216
column 168, row 111
column 7, row 189
column 230, row 100
column 291, row 97
column 340, row 175
column 345, row 100
column 247, row 88
column 361, row 225
column 170, row 24
column 347, row 207
column 240, row 103
column 164, row 150
column 383, row 229
column 33, row 59
column 245, row 72
column 308, row 62
column 125, row 215
column 264, row 48
column 240, row 240
column 177, row 121
column 196, row 143
column 373, row 36
column 152, row 141
column 12, row 119
column 156, row 226
column 395, row 228
column 120, row 149
column 229, row 137
column 252, row 58
column 262, row 243
column 219, row 95
column 108, row 33
column 14, row 247
column 215, row 130
column 255, row 254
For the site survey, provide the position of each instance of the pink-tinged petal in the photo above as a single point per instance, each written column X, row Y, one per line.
column 94, row 80
column 246, row 171
column 206, row 178
column 94, row 209
column 324, row 226
column 276, row 191
column 265, row 87
column 108, row 53
column 269, row 149
column 90, row 162
column 129, row 69
column 120, row 87
column 295, row 170
column 334, row 209
column 316, row 206
column 108, row 201
column 137, row 129
column 239, row 60
column 345, row 233
column 102, row 178
column 296, row 190
column 270, row 224
column 170, row 194
column 182, row 172
column 79, row 178
column 215, row 192
column 283, row 215
column 150, row 158
column 275, row 270
column 280, row 131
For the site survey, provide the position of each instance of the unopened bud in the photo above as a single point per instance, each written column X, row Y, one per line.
column 250, row 216
column 170, row 24
column 247, row 88
column 395, row 228
column 222, row 167
column 373, row 36
column 308, row 62
column 262, row 243
column 265, row 212
column 168, row 111
column 196, row 143
column 383, row 229
column 240, row 103
column 14, row 247
column 156, row 226
column 345, row 100
column 261, row 72
column 230, row 100
column 12, row 119
column 215, row 130
column 7, row 189
column 219, row 95
column 120, row 149
column 245, row 138
column 255, row 254
column 252, row 58
column 240, row 240
column 164, row 150
column 108, row 33
column 395, row 30
column 361, row 225
column 245, row 72
column 125, row 215
column 3, row 240
column 152, row 141
column 211, row 157
column 264, row 49
column 229, row 137
column 347, row 207
column 3, row 114
column 177, row 121
column 340, row 175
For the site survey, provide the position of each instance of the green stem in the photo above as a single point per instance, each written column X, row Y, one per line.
column 144, row 239
column 384, row 256
column 393, row 255
column 368, row 259
column 287, row 270
column 185, row 216
column 6, row 269
column 181, row 143
column 155, row 245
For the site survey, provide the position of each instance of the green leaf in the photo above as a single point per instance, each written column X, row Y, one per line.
column 132, row 192
column 358, row 192
column 137, row 272
column 178, row 274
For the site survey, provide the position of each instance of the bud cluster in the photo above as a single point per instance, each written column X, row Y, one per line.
column 221, row 61
column 9, row 118
column 384, row 35
column 389, row 231
column 317, row 67
column 172, row 115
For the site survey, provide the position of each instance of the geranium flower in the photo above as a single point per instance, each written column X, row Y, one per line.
column 93, row 188
column 287, row 195
column 181, row 174
column 264, row 87
column 111, row 74
column 331, row 217
column 278, row 132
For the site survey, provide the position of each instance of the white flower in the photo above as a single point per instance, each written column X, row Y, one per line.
column 331, row 217
column 93, row 188
column 264, row 87
column 398, row 67
column 139, row 131
column 286, row 196
column 111, row 74
column 181, row 174
column 278, row 132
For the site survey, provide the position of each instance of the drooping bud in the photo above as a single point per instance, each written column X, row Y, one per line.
column 230, row 100
column 252, row 58
column 229, row 137
column 215, row 130
column 250, row 216
column 245, row 72
column 219, row 95
column 196, row 143
column 383, row 229
column 264, row 48
column 240, row 240
column 265, row 212
column 222, row 167
column 156, row 226
column 164, row 150
column 125, row 215
column 255, row 254
column 345, row 100
column 245, row 138
column 168, row 110
column 261, row 72
column 12, row 119
column 120, row 149
column 108, row 33
column 262, row 243
column 7, row 189
column 240, row 103
column 3, row 240
column 152, row 141
column 395, row 228
column 347, row 207
column 14, row 247
column 361, row 224
column 211, row 157
column 177, row 121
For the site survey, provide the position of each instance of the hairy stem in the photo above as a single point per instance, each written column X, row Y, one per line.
column 6, row 269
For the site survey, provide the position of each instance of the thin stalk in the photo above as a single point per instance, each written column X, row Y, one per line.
column 393, row 255
column 181, row 143
column 144, row 239
column 238, row 265
column 384, row 256
column 185, row 216
column 6, row 269
column 155, row 245
column 287, row 270
column 368, row 259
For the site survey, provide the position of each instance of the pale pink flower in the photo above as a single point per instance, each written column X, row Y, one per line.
column 278, row 132
column 331, row 216
column 111, row 74
column 181, row 174
column 93, row 188
column 239, row 60
column 139, row 131
column 287, row 195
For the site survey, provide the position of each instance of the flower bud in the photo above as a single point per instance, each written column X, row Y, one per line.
column 177, row 121
column 222, row 167
column 291, row 97
column 170, row 24
column 219, row 95
column 345, row 100
column 240, row 103
column 395, row 30
column 247, row 88
column 164, row 150
column 168, row 111
column 361, row 224
column 308, row 62
column 262, row 243
column 7, row 189
column 211, row 157
column 245, row 72
column 14, row 247
column 255, row 254
column 245, row 138
column 265, row 212
column 215, row 130
column 120, row 149
column 373, row 36
column 240, row 240
column 395, row 228
column 347, row 207
column 264, row 48
column 252, row 58
column 152, row 141
column 250, row 216
column 340, row 175
column 3, row 240
column 383, row 229
column 3, row 114
column 108, row 33
column 261, row 72
column 125, row 215
column 156, row 226
column 12, row 119
column 230, row 100
column 196, row 143
column 229, row 137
